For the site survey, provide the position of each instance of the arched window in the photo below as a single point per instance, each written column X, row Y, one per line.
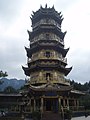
column 47, row 54
column 47, row 36
column 49, row 76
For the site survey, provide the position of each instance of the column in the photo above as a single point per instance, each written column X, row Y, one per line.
column 74, row 102
column 77, row 104
column 41, row 104
column 59, row 104
column 30, row 104
column 34, row 104
column 63, row 102
column 67, row 104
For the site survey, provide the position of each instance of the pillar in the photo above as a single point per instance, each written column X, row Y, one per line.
column 74, row 103
column 41, row 104
column 63, row 102
column 67, row 104
column 77, row 104
column 30, row 104
column 34, row 104
column 59, row 104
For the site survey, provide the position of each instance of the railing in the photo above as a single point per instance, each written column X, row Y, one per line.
column 54, row 79
column 9, row 103
column 77, row 108
column 45, row 38
column 47, row 22
column 42, row 56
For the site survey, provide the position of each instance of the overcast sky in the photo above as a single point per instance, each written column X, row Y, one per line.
column 15, row 21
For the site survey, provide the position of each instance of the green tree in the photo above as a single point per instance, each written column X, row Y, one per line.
column 85, row 101
column 9, row 89
column 2, row 74
column 81, row 87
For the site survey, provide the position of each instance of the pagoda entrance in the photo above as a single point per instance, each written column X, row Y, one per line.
column 51, row 104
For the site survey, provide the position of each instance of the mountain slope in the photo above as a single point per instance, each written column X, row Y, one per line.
column 11, row 82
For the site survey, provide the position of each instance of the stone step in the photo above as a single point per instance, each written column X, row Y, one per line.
column 51, row 116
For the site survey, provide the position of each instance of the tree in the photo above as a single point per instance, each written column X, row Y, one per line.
column 2, row 74
column 9, row 89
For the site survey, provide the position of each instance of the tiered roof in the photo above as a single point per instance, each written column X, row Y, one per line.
column 46, row 12
column 37, row 44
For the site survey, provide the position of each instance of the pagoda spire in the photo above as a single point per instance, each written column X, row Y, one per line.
column 46, row 53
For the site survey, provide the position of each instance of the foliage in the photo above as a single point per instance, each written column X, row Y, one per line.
column 81, row 87
column 22, row 87
column 85, row 101
column 9, row 89
column 36, row 115
column 68, row 114
column 3, row 74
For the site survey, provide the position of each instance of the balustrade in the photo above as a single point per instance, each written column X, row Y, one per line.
column 42, row 55
column 54, row 79
column 46, row 21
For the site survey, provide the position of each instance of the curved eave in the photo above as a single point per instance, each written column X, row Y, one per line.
column 44, row 41
column 68, row 71
column 38, row 47
column 47, row 28
column 59, row 20
column 26, row 71
column 64, row 70
column 63, row 35
column 77, row 92
column 47, row 87
column 65, row 52
column 44, row 12
column 30, row 34
column 28, row 51
column 38, row 61
column 38, row 67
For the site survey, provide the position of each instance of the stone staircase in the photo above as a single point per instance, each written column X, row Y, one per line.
column 51, row 116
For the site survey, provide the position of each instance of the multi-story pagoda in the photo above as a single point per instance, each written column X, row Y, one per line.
column 48, row 87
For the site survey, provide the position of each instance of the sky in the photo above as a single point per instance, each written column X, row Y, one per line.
column 15, row 21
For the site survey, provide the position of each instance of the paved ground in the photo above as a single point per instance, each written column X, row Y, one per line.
column 81, row 118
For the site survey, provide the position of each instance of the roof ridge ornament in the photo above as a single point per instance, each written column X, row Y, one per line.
column 53, row 7
column 59, row 13
column 46, row 5
column 33, row 12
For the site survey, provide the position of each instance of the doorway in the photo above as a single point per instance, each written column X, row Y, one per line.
column 51, row 104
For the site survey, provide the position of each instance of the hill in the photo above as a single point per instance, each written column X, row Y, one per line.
column 11, row 82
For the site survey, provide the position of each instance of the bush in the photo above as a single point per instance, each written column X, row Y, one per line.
column 36, row 115
column 68, row 114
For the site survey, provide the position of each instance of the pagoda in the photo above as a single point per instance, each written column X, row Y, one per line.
column 48, row 88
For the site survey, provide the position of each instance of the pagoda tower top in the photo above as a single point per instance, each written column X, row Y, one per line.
column 46, row 13
column 46, row 54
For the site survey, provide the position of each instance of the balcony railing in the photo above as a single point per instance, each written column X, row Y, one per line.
column 42, row 56
column 44, row 38
column 47, row 22
column 54, row 79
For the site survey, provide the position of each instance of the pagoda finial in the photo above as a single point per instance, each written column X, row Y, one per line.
column 46, row 5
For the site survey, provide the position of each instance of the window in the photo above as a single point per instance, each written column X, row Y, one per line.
column 48, row 76
column 47, row 20
column 47, row 36
column 47, row 54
